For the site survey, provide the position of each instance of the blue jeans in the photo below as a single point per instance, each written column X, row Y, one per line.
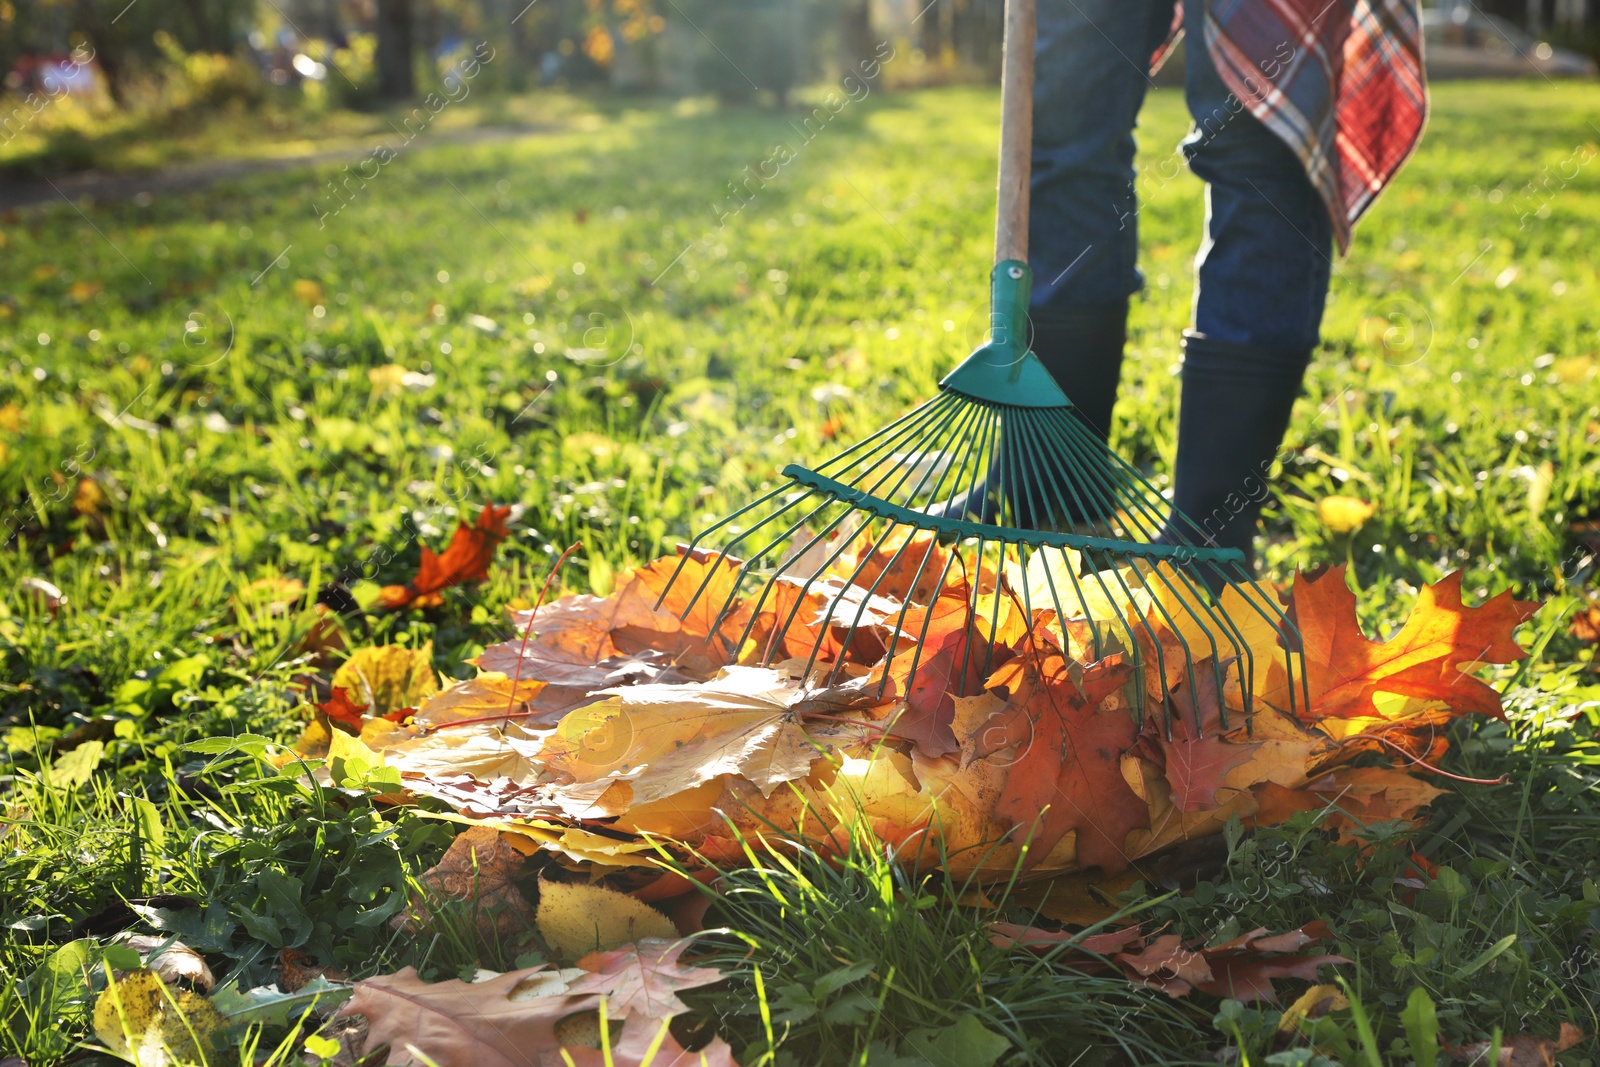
column 1267, row 250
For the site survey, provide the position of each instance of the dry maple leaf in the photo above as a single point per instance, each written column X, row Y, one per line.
column 517, row 1019
column 584, row 629
column 643, row 978
column 1066, row 773
column 1430, row 658
column 659, row 740
column 486, row 696
column 702, row 598
column 584, row 643
column 904, row 563
column 465, row 559
column 479, row 870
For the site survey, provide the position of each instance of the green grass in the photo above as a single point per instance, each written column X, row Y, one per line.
column 621, row 393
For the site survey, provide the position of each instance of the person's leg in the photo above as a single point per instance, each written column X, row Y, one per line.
column 1262, row 281
column 1090, row 79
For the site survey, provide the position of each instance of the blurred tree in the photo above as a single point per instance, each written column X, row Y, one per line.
column 396, row 50
column 856, row 40
column 122, row 36
column 750, row 45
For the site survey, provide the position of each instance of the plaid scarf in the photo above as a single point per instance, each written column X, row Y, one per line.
column 1339, row 80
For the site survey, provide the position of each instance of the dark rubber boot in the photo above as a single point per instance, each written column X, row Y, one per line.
column 1236, row 405
column 1082, row 349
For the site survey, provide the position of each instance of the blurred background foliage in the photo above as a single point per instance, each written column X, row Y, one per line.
column 76, row 71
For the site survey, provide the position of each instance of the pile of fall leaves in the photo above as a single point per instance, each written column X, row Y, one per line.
column 655, row 717
column 630, row 745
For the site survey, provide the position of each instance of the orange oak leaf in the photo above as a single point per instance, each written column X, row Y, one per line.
column 1247, row 978
column 341, row 709
column 1520, row 1050
column 1431, row 658
column 1168, row 964
column 1066, row 773
column 465, row 559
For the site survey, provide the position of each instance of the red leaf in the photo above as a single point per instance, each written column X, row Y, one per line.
column 1197, row 758
column 949, row 657
column 1034, row 939
column 1247, row 979
column 341, row 709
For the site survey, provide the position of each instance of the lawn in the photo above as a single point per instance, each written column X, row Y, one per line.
column 225, row 407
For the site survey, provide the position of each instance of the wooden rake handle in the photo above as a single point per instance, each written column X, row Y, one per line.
column 1016, row 133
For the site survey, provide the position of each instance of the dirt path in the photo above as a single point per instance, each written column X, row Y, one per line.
column 95, row 185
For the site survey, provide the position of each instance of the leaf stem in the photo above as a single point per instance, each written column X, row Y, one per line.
column 1504, row 779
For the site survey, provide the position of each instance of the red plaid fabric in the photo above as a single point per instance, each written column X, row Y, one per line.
column 1339, row 80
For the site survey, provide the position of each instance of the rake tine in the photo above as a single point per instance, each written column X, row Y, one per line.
column 844, row 646
column 894, row 638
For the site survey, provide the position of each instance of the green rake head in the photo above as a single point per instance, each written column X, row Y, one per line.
column 993, row 479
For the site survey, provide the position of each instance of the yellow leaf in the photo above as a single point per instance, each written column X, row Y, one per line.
column 389, row 379
column 88, row 499
column 575, row 920
column 388, row 677
column 308, row 291
column 489, row 694
column 1322, row 998
column 343, row 749
column 664, row 739
column 1343, row 514
column 1049, row 579
column 677, row 816
column 143, row 1021
column 486, row 751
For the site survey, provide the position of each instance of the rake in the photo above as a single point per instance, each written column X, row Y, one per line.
column 995, row 475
